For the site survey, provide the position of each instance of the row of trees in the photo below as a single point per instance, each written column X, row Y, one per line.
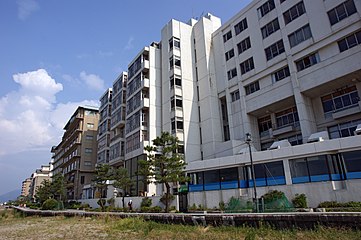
column 164, row 166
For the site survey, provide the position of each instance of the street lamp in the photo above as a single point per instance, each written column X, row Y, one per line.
column 248, row 141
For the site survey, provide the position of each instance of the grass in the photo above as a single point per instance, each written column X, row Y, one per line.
column 15, row 226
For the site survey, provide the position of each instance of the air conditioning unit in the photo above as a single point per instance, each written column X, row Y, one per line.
column 358, row 129
column 318, row 137
column 280, row 144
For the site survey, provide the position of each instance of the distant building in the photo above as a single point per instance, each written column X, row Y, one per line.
column 76, row 155
column 25, row 187
column 37, row 178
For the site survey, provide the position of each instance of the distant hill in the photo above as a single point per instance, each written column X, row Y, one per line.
column 10, row 195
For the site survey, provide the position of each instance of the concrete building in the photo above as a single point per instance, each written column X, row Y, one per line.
column 25, row 187
column 288, row 73
column 117, row 122
column 143, row 111
column 76, row 155
column 37, row 179
column 103, row 137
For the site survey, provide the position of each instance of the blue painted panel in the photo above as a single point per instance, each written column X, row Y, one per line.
column 196, row 187
column 336, row 177
column 260, row 182
column 229, row 185
column 243, row 183
column 320, row 178
column 281, row 180
column 352, row 175
column 300, row 179
column 212, row 186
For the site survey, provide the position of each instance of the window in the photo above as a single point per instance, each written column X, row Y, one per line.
column 281, row 74
column 175, row 80
column 350, row 41
column 212, row 180
column 266, row 8
column 341, row 12
column 82, row 179
column 176, row 124
column 174, row 61
column 227, row 36
column 88, row 150
column 87, row 163
column 264, row 124
column 287, row 117
column 340, row 99
column 196, row 182
column 247, row 65
column 244, row 45
column 300, row 35
column 270, row 28
column 232, row 73
column 229, row 178
column 281, row 1
column 353, row 164
column 269, row 174
column 235, row 95
column 274, row 50
column 307, row 62
column 229, row 54
column 176, row 102
column 174, row 42
column 295, row 140
column 345, row 129
column 89, row 113
column 251, row 88
column 311, row 169
column 90, row 125
column 294, row 12
column 89, row 137
column 241, row 26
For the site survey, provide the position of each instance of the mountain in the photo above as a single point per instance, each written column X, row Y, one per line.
column 10, row 195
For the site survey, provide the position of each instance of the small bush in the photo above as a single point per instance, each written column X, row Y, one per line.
column 50, row 204
column 156, row 209
column 222, row 206
column 146, row 202
column 101, row 202
column 334, row 204
column 300, row 201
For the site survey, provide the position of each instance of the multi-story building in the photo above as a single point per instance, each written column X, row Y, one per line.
column 103, row 137
column 25, row 187
column 37, row 179
column 143, row 111
column 117, row 122
column 288, row 73
column 76, row 155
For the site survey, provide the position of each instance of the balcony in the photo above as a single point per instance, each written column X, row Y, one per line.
column 350, row 110
column 286, row 128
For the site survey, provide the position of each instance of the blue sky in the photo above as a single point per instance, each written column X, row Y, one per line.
column 55, row 55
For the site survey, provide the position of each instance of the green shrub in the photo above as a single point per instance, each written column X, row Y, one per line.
column 334, row 204
column 222, row 206
column 156, row 209
column 300, row 201
column 146, row 202
column 276, row 200
column 101, row 202
column 50, row 204
column 193, row 207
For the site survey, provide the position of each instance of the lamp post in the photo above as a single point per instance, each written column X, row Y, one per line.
column 248, row 141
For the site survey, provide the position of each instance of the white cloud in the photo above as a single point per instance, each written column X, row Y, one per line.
column 30, row 117
column 26, row 7
column 93, row 81
column 129, row 44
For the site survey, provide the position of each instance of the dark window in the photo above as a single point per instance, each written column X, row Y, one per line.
column 174, row 42
column 82, row 179
column 235, row 95
column 175, row 80
column 269, row 174
column 270, row 28
column 176, row 124
column 352, row 162
column 294, row 12
column 300, row 35
column 229, row 178
column 244, row 45
column 251, row 88
column 307, row 62
column 274, row 50
column 340, row 99
column 264, row 124
column 281, row 74
column 281, row 1
column 341, row 12
column 232, row 73
column 211, row 180
column 345, row 129
column 350, row 41
column 287, row 117
column 239, row 27
column 227, row 36
column 247, row 65
column 266, row 8
column 229, row 54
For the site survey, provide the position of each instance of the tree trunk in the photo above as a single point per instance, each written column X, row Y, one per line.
column 167, row 199
column 123, row 196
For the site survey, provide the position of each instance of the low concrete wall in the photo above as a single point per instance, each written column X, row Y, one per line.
column 278, row 220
